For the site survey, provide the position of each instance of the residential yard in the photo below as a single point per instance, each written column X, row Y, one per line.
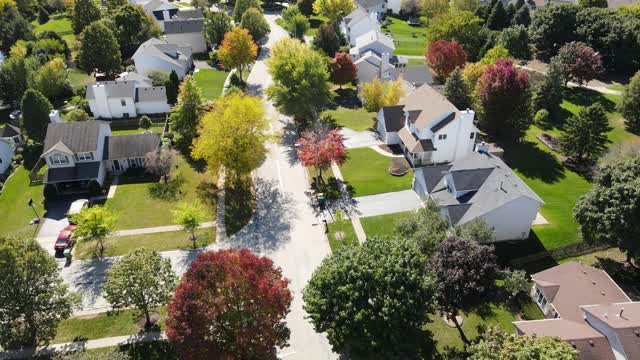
column 79, row 78
column 14, row 198
column 416, row 62
column 383, row 224
column 163, row 241
column 349, row 235
column 367, row 171
column 101, row 325
column 155, row 350
column 60, row 24
column 355, row 119
column 409, row 40
column 315, row 21
column 137, row 208
column 156, row 129
column 211, row 82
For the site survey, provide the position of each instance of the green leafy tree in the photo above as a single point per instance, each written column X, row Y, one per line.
column 463, row 27
column 377, row 94
column 466, row 5
column 498, row 18
column 114, row 4
column 95, row 224
column 585, row 135
column 15, row 75
column 141, row 279
column 593, row 3
column 433, row 9
column 51, row 79
column 306, row 7
column 522, row 17
column 145, row 122
column 457, row 91
column 172, row 87
column 551, row 28
column 360, row 316
column 497, row 344
column 216, row 24
column 629, row 106
column 494, row 54
column 35, row 114
column 289, row 12
column 516, row 282
column 189, row 216
column 254, row 21
column 99, row 50
column 242, row 6
column 335, row 10
column 476, row 230
column 328, row 39
column 515, row 40
column 84, row 13
column 549, row 93
column 77, row 115
column 297, row 26
column 13, row 26
column 300, row 78
column 132, row 28
column 186, row 114
column 426, row 228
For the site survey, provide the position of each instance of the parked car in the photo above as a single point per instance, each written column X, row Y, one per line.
column 76, row 207
column 65, row 238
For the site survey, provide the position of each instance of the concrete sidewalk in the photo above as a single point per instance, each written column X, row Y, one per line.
column 387, row 203
column 159, row 229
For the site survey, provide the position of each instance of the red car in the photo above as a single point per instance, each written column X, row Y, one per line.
column 65, row 238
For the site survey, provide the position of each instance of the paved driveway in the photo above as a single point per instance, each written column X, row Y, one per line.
column 387, row 203
column 54, row 220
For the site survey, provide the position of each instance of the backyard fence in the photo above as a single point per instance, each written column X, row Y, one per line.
column 560, row 253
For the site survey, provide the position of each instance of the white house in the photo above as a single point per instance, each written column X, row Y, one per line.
column 428, row 128
column 480, row 186
column 155, row 54
column 79, row 153
column 377, row 6
column 359, row 22
column 6, row 154
column 185, row 30
column 370, row 66
column 128, row 96
column 160, row 11
column 12, row 134
column 374, row 41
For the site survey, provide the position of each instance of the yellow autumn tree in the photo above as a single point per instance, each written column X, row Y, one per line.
column 333, row 9
column 377, row 94
column 472, row 73
column 237, row 49
column 232, row 136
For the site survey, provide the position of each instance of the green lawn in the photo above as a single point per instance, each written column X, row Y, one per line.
column 137, row 209
column 349, row 238
column 156, row 129
column 14, row 207
column 409, row 40
column 315, row 21
column 211, row 81
column 60, row 24
column 163, row 241
column 79, row 78
column 416, row 62
column 367, row 171
column 354, row 119
column 617, row 87
column 154, row 350
column 100, row 326
column 382, row 224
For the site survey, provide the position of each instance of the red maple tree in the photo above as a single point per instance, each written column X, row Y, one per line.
column 443, row 56
column 342, row 69
column 230, row 304
column 319, row 148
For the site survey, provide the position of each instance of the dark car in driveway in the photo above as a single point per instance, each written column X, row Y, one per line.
column 65, row 238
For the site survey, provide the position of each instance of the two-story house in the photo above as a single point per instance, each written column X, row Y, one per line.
column 359, row 22
column 155, row 54
column 79, row 153
column 185, row 29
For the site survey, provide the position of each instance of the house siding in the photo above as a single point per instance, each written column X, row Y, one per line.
column 148, row 63
column 6, row 154
column 606, row 330
column 512, row 221
column 195, row 40
column 152, row 107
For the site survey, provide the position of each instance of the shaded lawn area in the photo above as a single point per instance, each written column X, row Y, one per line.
column 354, row 119
column 315, row 21
column 60, row 24
column 409, row 40
column 616, row 87
column 349, row 235
column 367, row 171
column 154, row 350
column 382, row 225
column 137, row 208
column 79, row 78
column 238, row 205
column 211, row 82
column 163, row 241
column 101, row 325
column 14, row 207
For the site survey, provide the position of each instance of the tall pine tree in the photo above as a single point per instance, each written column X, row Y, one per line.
column 498, row 19
column 35, row 115
column 550, row 92
column 585, row 135
column 457, row 91
column 172, row 87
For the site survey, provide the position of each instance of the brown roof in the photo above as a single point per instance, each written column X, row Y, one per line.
column 413, row 143
column 591, row 344
column 429, row 106
column 571, row 285
column 625, row 324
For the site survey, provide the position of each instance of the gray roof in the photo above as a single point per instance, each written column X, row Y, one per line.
column 367, row 4
column 393, row 117
column 80, row 136
column 183, row 26
column 414, row 75
column 151, row 94
column 489, row 184
column 115, row 89
column 134, row 76
column 358, row 13
column 189, row 14
column 160, row 50
column 444, row 122
column 82, row 171
column 10, row 131
column 129, row 146
column 433, row 175
column 154, row 4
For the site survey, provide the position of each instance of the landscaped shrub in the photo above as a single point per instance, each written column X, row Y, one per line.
column 541, row 119
column 167, row 191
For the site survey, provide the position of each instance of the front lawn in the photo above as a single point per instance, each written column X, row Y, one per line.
column 100, row 326
column 137, row 208
column 211, row 82
column 409, row 40
column 382, row 225
column 354, row 119
column 163, row 241
column 14, row 198
column 61, row 25
column 367, row 171
column 349, row 235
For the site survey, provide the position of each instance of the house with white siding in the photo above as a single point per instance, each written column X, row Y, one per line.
column 185, row 29
column 155, row 54
column 6, row 155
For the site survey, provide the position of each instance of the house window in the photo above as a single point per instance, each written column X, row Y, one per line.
column 59, row 159
column 472, row 135
column 84, row 156
column 540, row 299
column 123, row 102
column 442, row 137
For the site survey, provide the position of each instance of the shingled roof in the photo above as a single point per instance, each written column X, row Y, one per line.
column 79, row 136
column 130, row 146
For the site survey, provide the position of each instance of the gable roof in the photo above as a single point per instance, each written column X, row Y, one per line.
column 355, row 15
column 624, row 318
column 159, row 49
column 114, row 89
column 368, row 4
column 372, row 36
column 393, row 118
column 134, row 76
column 429, row 106
column 10, row 131
column 128, row 146
column 413, row 143
column 158, row 4
column 151, row 94
column 183, row 26
column 188, row 14
column 79, row 136
column 414, row 75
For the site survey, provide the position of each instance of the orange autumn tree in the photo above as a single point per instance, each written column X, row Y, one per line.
column 320, row 147
column 237, row 50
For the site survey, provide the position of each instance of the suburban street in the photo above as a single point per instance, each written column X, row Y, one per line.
column 284, row 227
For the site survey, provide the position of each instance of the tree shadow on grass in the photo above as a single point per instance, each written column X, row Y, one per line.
column 533, row 162
column 154, row 350
column 238, row 203
column 586, row 97
column 506, row 251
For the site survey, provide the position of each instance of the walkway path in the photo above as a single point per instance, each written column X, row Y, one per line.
column 590, row 85
column 159, row 229
column 377, row 149
column 387, row 203
column 353, row 215
column 359, row 139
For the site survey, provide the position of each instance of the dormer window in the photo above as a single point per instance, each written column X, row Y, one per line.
column 442, row 137
column 84, row 156
column 58, row 159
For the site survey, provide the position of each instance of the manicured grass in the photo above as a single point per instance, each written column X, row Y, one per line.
column 617, row 87
column 354, row 119
column 156, row 129
column 136, row 208
column 79, row 78
column 416, row 62
column 349, row 234
column 101, row 325
column 211, row 81
column 383, row 224
column 315, row 21
column 61, row 25
column 409, row 40
column 14, row 207
column 163, row 241
column 367, row 171
column 154, row 350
